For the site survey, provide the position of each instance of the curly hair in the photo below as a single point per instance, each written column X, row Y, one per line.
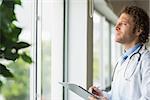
column 141, row 19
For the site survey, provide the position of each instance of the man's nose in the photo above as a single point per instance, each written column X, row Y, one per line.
column 117, row 27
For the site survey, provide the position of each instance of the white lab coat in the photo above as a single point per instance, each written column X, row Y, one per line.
column 134, row 84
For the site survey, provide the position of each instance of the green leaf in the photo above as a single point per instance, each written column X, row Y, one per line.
column 18, row 2
column 4, row 71
column 7, row 12
column 15, row 33
column 6, row 42
column 12, row 33
column 21, row 45
column 11, row 54
column 26, row 58
column 9, row 3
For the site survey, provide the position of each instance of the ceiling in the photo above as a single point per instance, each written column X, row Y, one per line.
column 117, row 5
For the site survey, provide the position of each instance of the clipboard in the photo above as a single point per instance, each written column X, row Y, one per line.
column 80, row 91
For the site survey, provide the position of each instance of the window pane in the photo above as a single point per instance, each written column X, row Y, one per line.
column 97, row 43
column 101, row 51
column 18, row 88
column 97, row 49
column 46, row 26
column 106, row 54
column 51, row 33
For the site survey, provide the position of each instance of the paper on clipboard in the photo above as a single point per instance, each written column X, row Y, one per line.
column 78, row 90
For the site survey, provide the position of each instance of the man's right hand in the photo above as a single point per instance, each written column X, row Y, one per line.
column 97, row 92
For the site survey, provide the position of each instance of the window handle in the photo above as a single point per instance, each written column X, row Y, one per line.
column 91, row 8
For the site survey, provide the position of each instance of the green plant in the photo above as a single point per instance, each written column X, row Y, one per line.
column 9, row 38
column 18, row 88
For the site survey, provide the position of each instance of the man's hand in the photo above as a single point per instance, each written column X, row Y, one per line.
column 97, row 92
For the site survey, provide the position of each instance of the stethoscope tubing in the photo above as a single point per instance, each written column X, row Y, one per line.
column 138, row 52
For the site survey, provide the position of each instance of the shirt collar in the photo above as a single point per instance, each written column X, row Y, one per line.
column 131, row 50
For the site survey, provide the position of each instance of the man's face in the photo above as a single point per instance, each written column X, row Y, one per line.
column 124, row 29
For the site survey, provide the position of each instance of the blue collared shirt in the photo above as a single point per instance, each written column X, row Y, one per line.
column 129, row 52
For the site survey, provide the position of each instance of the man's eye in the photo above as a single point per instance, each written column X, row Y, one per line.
column 123, row 23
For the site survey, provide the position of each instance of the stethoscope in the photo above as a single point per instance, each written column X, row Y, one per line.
column 127, row 65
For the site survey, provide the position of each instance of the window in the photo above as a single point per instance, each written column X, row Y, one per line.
column 19, row 87
column 97, row 37
column 50, row 42
column 104, row 51
column 61, row 40
column 101, row 52
column 77, row 45
column 42, row 22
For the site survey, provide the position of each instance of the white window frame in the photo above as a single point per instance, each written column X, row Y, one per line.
column 57, row 52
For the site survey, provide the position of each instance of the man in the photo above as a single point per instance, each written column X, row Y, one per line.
column 131, row 77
